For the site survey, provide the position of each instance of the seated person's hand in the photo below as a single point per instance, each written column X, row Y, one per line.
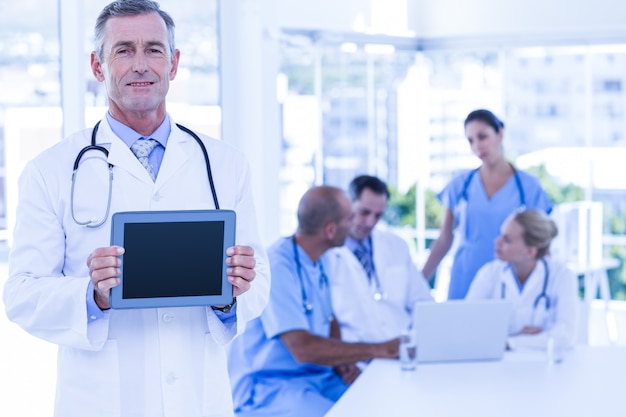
column 348, row 373
column 531, row 330
column 241, row 265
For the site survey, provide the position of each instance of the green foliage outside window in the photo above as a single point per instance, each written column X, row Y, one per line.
column 401, row 209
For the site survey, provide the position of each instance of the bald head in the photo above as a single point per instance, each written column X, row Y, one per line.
column 319, row 206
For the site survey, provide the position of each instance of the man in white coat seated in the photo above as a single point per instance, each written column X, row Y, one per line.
column 374, row 281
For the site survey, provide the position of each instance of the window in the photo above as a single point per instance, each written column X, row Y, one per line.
column 29, row 81
column 340, row 114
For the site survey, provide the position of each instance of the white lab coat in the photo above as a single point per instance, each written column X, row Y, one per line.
column 361, row 318
column 562, row 290
column 144, row 362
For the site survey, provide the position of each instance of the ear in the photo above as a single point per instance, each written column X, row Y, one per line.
column 532, row 252
column 500, row 135
column 96, row 67
column 174, row 68
column 330, row 229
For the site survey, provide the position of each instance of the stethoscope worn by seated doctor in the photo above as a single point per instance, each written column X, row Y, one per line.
column 306, row 303
column 94, row 147
column 543, row 295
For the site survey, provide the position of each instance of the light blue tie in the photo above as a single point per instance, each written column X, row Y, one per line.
column 142, row 149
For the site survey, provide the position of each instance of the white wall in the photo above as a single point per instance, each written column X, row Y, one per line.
column 552, row 19
column 250, row 111
column 333, row 15
column 529, row 19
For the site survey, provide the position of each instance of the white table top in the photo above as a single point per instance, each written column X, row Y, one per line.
column 589, row 382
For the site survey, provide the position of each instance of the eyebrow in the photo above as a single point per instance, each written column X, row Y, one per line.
column 158, row 43
column 132, row 44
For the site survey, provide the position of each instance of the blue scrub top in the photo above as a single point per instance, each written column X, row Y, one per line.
column 259, row 353
column 479, row 219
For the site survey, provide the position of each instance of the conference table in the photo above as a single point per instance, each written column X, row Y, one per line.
column 590, row 381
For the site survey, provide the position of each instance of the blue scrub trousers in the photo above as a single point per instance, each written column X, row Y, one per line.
column 305, row 396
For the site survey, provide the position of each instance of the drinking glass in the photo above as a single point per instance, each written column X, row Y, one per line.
column 408, row 351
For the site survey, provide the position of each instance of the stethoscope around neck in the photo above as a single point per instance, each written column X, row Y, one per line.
column 518, row 183
column 93, row 223
column 307, row 306
column 543, row 295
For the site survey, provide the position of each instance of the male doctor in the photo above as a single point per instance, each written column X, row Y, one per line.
column 374, row 281
column 141, row 362
column 289, row 362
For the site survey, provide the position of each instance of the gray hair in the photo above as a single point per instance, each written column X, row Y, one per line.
column 120, row 8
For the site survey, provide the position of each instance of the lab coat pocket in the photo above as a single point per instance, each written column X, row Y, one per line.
column 88, row 380
column 216, row 397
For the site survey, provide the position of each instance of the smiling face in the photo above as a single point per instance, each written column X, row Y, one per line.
column 136, row 66
column 484, row 141
column 368, row 209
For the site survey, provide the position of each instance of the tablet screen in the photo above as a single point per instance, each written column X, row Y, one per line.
column 194, row 251
column 173, row 258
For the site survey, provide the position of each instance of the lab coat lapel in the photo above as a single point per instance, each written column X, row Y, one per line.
column 177, row 153
column 120, row 154
column 512, row 290
column 122, row 157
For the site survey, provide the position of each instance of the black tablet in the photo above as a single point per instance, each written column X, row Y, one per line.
column 173, row 258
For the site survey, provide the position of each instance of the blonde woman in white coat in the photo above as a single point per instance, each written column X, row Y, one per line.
column 543, row 291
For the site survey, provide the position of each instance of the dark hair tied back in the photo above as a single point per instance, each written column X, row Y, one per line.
column 486, row 117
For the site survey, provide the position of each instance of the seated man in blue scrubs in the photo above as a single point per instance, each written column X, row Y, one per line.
column 290, row 361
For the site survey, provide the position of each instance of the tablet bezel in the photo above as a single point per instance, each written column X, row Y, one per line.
column 121, row 219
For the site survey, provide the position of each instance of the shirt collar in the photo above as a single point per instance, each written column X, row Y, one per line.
column 129, row 135
column 352, row 243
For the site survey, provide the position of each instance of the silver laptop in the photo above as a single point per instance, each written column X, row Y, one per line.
column 461, row 330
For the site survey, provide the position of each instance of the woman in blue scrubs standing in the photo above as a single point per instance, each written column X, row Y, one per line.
column 478, row 201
